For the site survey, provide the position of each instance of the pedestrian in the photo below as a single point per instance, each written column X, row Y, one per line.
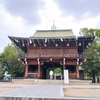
column 51, row 74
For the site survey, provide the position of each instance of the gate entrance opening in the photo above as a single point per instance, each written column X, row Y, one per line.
column 47, row 66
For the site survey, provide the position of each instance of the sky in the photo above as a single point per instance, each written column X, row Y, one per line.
column 21, row 18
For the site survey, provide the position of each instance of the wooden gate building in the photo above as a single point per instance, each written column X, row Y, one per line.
column 49, row 48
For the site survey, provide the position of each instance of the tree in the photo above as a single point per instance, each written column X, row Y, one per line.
column 58, row 70
column 1, row 72
column 92, row 63
column 86, row 31
column 9, row 61
column 89, row 32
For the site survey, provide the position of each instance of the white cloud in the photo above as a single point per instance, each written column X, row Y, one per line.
column 89, row 23
column 12, row 26
column 50, row 13
column 17, row 26
column 65, row 22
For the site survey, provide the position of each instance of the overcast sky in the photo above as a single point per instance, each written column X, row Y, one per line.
column 22, row 17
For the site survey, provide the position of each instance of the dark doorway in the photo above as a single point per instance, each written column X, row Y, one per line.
column 43, row 69
column 47, row 66
column 81, row 74
column 32, row 69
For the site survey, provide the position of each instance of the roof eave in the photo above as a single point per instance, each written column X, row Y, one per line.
column 65, row 37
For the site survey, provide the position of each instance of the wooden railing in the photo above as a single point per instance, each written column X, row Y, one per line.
column 52, row 55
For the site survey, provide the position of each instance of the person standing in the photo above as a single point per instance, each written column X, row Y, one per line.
column 51, row 74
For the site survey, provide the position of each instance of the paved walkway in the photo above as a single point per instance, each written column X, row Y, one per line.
column 35, row 91
column 41, row 91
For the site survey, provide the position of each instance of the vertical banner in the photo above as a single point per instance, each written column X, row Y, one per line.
column 66, row 76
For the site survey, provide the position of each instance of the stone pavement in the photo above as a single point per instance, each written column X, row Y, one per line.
column 40, row 91
column 35, row 91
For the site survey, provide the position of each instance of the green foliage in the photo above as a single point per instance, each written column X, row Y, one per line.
column 89, row 32
column 18, row 50
column 54, row 69
column 9, row 61
column 92, row 64
column 57, row 70
column 86, row 31
column 10, row 53
column 1, row 73
column 48, row 70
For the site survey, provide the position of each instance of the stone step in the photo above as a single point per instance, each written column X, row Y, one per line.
column 61, row 82
column 48, row 81
column 23, row 81
column 79, row 82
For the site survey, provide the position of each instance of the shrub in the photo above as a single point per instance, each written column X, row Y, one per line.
column 57, row 70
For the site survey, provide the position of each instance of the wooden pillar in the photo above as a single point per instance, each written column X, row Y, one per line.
column 77, row 68
column 41, row 63
column 39, row 69
column 64, row 63
column 64, row 67
column 77, row 71
column 26, row 70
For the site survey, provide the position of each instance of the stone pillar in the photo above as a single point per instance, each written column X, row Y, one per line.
column 66, row 77
column 26, row 70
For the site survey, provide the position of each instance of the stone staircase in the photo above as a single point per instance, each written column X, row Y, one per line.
column 61, row 82
column 48, row 81
column 40, row 81
column 79, row 82
column 23, row 81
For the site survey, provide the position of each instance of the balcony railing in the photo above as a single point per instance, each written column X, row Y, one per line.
column 52, row 55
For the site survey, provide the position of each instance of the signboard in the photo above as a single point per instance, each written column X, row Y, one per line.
column 66, row 77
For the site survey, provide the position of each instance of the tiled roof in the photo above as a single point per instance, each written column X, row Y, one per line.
column 53, row 34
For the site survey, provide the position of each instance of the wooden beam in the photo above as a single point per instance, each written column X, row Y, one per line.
column 64, row 40
column 43, row 41
column 23, row 44
column 28, row 42
column 48, row 41
column 38, row 42
column 32, row 40
column 53, row 41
